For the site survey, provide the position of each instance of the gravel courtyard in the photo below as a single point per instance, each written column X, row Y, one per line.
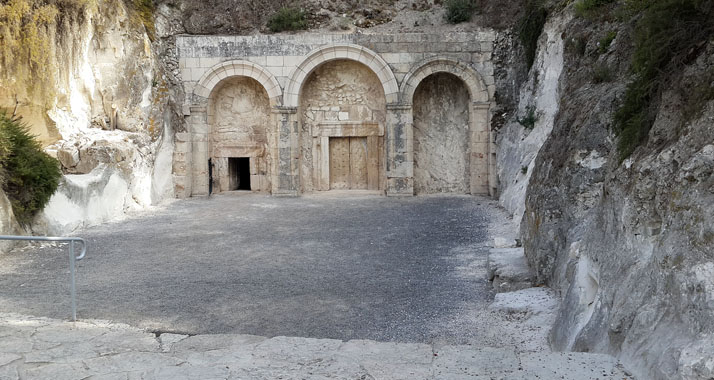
column 329, row 266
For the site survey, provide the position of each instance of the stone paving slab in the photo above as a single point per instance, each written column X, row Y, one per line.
column 43, row 348
column 508, row 269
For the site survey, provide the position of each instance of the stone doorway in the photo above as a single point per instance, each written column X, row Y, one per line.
column 348, row 163
column 239, row 173
column 343, row 113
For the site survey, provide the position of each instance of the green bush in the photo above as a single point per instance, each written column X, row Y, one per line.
column 30, row 175
column 529, row 120
column 530, row 26
column 667, row 32
column 287, row 18
column 145, row 12
column 602, row 73
column 459, row 10
column 587, row 8
column 605, row 42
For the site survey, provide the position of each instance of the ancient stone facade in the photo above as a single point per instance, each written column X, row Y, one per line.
column 391, row 114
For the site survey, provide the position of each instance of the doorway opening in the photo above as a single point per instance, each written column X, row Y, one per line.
column 239, row 171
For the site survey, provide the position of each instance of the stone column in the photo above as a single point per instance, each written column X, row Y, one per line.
column 400, row 150
column 199, row 130
column 492, row 177
column 286, row 153
column 480, row 148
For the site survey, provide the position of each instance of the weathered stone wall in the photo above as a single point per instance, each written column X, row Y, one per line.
column 283, row 64
column 441, row 135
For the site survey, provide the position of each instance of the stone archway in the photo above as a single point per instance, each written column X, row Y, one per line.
column 433, row 173
column 232, row 128
column 240, row 122
column 341, row 93
column 342, row 121
column 441, row 135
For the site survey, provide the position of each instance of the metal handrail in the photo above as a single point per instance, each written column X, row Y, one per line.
column 72, row 259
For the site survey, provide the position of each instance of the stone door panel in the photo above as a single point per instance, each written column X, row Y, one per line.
column 348, row 163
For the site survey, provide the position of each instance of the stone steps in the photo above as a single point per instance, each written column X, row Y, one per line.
column 40, row 348
column 508, row 269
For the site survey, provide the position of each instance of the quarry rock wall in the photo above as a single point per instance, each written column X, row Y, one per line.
column 626, row 243
column 106, row 115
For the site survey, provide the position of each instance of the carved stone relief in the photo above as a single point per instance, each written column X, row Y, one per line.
column 240, row 122
column 441, row 135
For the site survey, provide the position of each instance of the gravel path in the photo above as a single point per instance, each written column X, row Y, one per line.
column 339, row 267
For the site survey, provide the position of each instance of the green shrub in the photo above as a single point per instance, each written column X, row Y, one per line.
column 30, row 175
column 529, row 120
column 605, row 42
column 530, row 26
column 602, row 73
column 666, row 33
column 587, row 8
column 287, row 18
column 459, row 10
column 145, row 13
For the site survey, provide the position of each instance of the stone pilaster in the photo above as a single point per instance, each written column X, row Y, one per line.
column 400, row 151
column 286, row 153
column 199, row 130
column 480, row 142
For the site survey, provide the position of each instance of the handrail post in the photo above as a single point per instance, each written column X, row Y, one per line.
column 72, row 259
column 73, row 289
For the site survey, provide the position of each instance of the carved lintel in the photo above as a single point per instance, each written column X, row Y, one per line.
column 348, row 129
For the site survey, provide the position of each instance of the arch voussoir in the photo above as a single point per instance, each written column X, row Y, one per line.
column 473, row 80
column 224, row 70
column 340, row 51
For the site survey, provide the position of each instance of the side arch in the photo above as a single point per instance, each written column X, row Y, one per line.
column 333, row 52
column 474, row 83
column 223, row 70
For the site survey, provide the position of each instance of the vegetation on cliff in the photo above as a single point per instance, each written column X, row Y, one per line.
column 458, row 11
column 667, row 36
column 27, row 38
column 287, row 19
column 28, row 175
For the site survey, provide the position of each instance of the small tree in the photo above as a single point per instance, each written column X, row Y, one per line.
column 459, row 10
column 287, row 18
column 31, row 176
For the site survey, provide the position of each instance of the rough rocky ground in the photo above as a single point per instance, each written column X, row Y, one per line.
column 407, row 272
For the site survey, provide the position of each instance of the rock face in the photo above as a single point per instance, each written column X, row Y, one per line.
column 520, row 142
column 110, row 115
column 627, row 244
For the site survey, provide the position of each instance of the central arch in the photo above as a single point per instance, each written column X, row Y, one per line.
column 324, row 54
column 341, row 94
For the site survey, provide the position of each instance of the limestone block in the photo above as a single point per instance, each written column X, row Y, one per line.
column 402, row 169
column 391, row 57
column 197, row 73
column 207, row 62
column 508, row 269
column 68, row 156
column 461, row 361
column 274, row 61
column 400, row 186
column 501, row 242
column 191, row 63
